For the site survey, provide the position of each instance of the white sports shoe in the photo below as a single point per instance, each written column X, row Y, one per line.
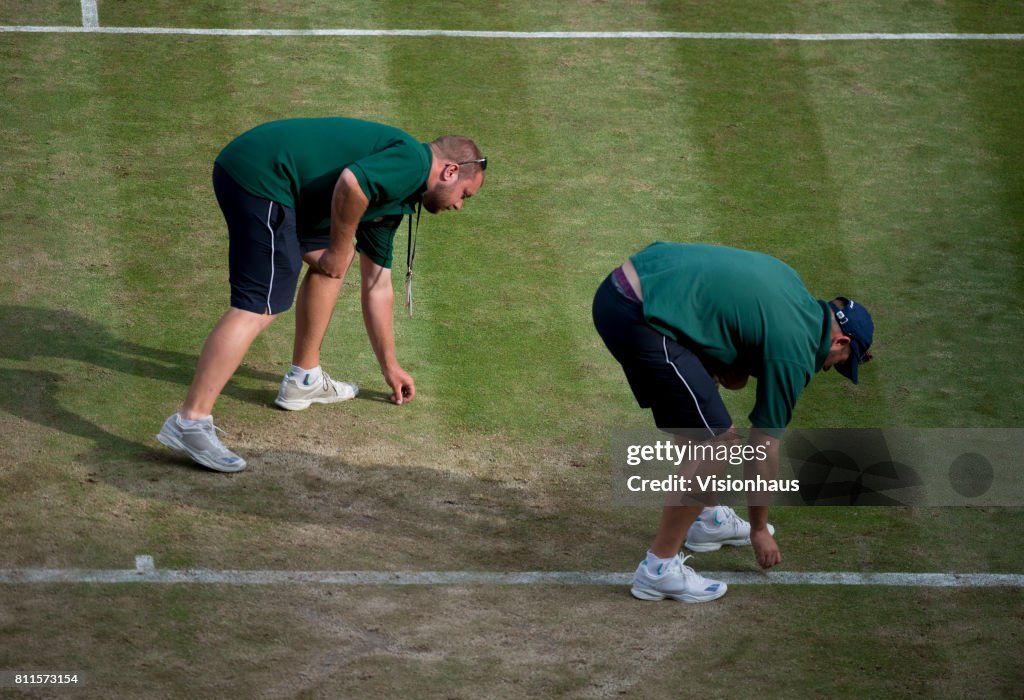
column 295, row 394
column 719, row 526
column 677, row 581
column 200, row 442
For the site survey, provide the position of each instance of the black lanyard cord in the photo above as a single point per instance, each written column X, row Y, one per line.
column 410, row 257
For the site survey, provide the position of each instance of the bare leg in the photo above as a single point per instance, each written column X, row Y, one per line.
column 313, row 307
column 222, row 354
column 675, row 522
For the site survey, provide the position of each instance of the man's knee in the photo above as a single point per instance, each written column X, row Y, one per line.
column 249, row 318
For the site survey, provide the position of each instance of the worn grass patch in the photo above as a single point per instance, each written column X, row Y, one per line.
column 463, row 642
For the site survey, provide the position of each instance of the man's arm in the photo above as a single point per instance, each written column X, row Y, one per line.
column 378, row 299
column 348, row 205
column 765, row 548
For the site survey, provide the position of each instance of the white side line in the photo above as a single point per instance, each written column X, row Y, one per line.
column 146, row 572
column 750, row 36
column 90, row 14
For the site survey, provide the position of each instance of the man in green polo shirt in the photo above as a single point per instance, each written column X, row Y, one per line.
column 314, row 191
column 684, row 319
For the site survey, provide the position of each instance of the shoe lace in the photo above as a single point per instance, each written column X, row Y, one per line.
column 728, row 517
column 216, row 440
column 213, row 430
column 683, row 568
column 329, row 385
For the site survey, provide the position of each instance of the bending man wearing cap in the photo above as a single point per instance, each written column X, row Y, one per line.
column 684, row 319
column 316, row 191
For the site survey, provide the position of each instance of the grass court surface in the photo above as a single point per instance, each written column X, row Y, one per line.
column 888, row 171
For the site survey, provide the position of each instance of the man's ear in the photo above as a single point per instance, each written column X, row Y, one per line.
column 840, row 341
column 450, row 172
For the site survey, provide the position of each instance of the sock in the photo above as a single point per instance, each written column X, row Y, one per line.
column 655, row 564
column 186, row 423
column 305, row 377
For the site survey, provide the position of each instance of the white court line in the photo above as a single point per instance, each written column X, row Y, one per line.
column 90, row 14
column 752, row 36
column 145, row 571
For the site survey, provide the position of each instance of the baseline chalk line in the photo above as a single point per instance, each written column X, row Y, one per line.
column 88, row 28
column 145, row 571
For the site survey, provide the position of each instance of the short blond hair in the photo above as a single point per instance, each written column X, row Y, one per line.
column 459, row 149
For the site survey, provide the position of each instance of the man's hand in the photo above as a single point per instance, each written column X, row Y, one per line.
column 765, row 548
column 731, row 378
column 401, row 384
column 332, row 264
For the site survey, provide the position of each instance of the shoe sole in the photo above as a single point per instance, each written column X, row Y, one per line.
column 647, row 594
column 176, row 444
column 715, row 546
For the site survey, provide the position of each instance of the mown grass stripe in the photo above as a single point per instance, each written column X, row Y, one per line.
column 480, row 34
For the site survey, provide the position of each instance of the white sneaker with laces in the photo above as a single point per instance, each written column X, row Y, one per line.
column 719, row 526
column 200, row 442
column 295, row 394
column 677, row 581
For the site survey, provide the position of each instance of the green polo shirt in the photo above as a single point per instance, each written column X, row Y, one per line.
column 742, row 309
column 297, row 162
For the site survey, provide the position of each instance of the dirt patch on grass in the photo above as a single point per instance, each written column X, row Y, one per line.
column 514, row 641
column 282, row 642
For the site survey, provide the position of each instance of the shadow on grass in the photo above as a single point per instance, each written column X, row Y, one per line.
column 373, row 395
column 410, row 510
column 417, row 516
column 42, row 337
column 33, row 333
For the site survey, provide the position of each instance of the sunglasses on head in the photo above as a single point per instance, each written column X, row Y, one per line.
column 482, row 162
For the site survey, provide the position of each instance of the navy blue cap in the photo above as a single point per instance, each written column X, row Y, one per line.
column 855, row 323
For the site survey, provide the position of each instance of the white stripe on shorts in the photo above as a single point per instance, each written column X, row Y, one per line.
column 270, row 289
column 664, row 346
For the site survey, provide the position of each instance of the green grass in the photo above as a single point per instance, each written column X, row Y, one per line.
column 888, row 171
column 609, row 15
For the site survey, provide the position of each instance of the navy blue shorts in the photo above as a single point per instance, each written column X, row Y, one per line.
column 665, row 376
column 264, row 250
